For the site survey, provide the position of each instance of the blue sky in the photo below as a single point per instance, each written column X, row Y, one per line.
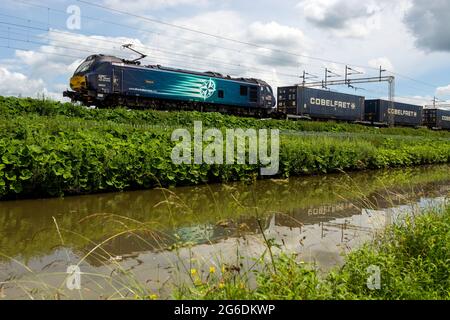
column 39, row 51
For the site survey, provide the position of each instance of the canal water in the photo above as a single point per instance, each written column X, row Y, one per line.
column 147, row 242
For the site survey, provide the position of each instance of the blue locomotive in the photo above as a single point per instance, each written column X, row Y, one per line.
column 108, row 81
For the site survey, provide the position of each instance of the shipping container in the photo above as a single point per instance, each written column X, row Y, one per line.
column 437, row 118
column 320, row 104
column 401, row 114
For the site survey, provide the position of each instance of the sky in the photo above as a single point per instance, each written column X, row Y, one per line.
column 43, row 42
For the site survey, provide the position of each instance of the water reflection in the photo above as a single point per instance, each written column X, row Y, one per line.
column 155, row 233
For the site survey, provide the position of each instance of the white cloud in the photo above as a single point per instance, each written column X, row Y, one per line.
column 15, row 83
column 443, row 91
column 57, row 58
column 274, row 34
column 55, row 61
column 383, row 62
column 234, row 58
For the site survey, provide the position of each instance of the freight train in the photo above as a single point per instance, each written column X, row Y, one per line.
column 107, row 81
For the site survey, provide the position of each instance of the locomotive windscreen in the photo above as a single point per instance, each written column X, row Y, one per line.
column 85, row 66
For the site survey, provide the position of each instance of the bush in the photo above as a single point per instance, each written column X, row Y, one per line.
column 53, row 149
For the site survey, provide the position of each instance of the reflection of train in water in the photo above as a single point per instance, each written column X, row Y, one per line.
column 108, row 81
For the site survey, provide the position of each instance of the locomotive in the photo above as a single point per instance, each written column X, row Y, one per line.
column 108, row 81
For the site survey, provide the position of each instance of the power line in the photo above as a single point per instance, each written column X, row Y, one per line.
column 152, row 48
column 83, row 57
column 198, row 32
column 190, row 41
column 218, row 36
column 78, row 46
column 414, row 80
column 185, row 66
column 43, row 52
column 215, row 36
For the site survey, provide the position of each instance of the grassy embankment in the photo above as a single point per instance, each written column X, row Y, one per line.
column 413, row 258
column 53, row 149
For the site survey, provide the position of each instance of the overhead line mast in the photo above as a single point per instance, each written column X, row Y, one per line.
column 347, row 81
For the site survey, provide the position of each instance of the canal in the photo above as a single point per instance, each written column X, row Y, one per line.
column 147, row 242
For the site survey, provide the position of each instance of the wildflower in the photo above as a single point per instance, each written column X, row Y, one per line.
column 193, row 272
column 212, row 269
column 221, row 285
column 153, row 297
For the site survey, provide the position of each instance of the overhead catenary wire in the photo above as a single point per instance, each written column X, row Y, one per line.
column 200, row 32
column 190, row 41
column 156, row 21
column 48, row 9
column 248, row 68
column 242, row 42
column 183, row 65
column 215, row 61
column 82, row 48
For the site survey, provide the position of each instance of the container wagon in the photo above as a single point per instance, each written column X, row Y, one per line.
column 401, row 114
column 302, row 102
column 437, row 119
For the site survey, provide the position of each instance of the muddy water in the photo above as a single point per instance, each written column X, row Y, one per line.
column 148, row 241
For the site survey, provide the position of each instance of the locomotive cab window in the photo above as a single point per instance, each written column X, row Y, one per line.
column 221, row 94
column 244, row 91
column 84, row 67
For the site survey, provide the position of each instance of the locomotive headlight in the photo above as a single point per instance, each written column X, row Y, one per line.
column 78, row 83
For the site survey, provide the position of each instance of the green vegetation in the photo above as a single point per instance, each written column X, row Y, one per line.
column 11, row 107
column 413, row 257
column 53, row 149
